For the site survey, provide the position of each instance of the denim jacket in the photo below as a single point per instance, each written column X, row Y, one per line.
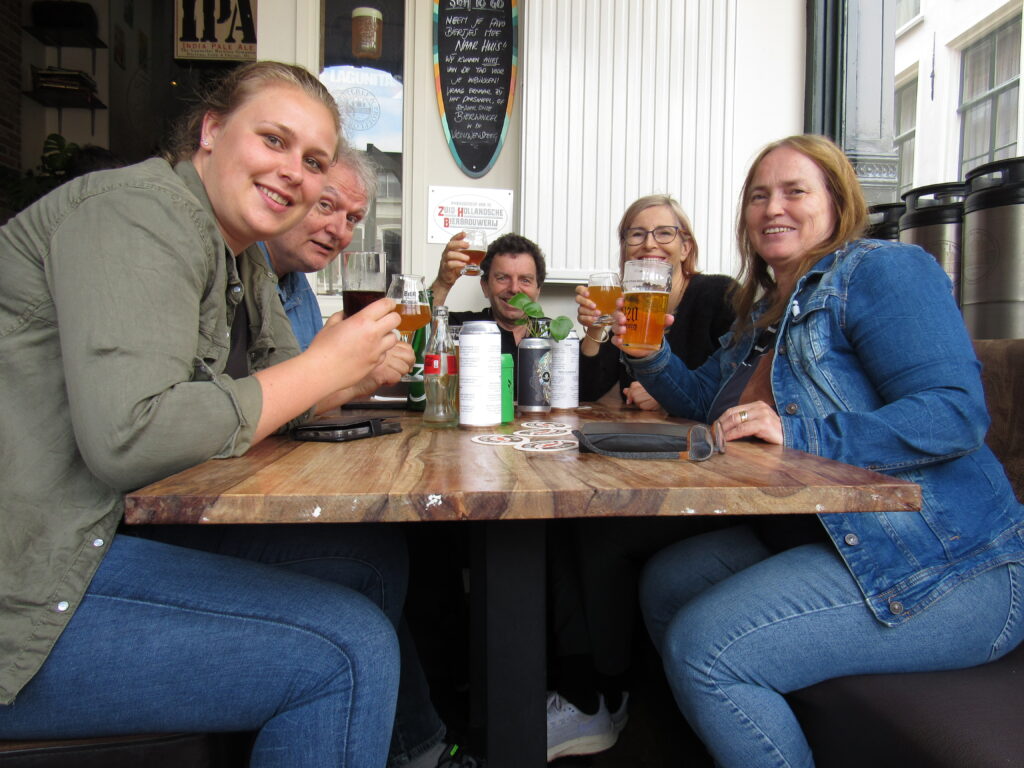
column 873, row 367
column 299, row 302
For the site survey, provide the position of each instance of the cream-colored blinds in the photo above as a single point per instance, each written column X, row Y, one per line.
column 622, row 98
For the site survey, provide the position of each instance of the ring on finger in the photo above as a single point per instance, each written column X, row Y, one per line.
column 743, row 415
column 398, row 334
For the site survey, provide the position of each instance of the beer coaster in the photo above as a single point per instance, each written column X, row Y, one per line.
column 547, row 446
column 543, row 432
column 499, row 439
column 544, row 425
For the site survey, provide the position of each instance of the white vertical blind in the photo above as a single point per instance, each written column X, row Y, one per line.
column 623, row 98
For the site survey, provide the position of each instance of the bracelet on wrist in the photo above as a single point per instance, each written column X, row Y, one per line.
column 605, row 333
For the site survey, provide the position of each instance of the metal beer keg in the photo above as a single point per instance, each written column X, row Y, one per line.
column 933, row 220
column 992, row 284
column 884, row 221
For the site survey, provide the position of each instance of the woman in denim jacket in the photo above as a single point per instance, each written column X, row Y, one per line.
column 854, row 350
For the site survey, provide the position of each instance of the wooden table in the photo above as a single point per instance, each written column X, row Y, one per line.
column 426, row 474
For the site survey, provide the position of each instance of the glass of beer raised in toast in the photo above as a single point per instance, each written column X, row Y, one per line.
column 646, row 284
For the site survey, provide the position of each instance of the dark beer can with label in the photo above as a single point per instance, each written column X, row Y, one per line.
column 533, row 375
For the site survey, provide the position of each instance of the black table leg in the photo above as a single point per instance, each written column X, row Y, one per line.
column 508, row 641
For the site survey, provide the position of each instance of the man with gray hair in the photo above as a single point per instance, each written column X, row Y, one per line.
column 319, row 238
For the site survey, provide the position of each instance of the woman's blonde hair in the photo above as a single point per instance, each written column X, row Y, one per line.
column 851, row 217
column 689, row 264
column 232, row 91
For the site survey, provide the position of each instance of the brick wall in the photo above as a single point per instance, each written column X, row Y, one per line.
column 10, row 84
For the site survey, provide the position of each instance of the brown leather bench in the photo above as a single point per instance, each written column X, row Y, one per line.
column 162, row 750
column 967, row 718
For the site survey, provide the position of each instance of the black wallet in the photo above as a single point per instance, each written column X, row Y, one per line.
column 644, row 440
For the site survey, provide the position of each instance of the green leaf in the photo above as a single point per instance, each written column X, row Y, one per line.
column 520, row 300
column 560, row 327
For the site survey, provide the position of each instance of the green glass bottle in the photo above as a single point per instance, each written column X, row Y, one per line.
column 416, row 399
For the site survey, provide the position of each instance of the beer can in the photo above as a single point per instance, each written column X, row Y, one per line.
column 565, row 372
column 533, row 375
column 479, row 374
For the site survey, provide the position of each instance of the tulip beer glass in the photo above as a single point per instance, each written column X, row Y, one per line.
column 476, row 250
column 645, row 287
column 604, row 288
column 412, row 307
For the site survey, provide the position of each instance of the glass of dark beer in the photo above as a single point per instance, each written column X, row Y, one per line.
column 363, row 279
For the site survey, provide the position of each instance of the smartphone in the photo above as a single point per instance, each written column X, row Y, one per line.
column 343, row 431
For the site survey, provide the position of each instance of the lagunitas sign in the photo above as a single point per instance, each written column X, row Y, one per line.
column 215, row 29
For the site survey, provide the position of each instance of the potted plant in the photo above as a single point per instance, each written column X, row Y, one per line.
column 532, row 311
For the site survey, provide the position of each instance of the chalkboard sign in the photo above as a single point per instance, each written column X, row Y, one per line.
column 476, row 54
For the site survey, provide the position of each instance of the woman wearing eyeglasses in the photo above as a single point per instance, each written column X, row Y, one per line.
column 854, row 350
column 594, row 568
column 656, row 227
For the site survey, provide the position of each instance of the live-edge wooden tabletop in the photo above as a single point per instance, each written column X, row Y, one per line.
column 423, row 474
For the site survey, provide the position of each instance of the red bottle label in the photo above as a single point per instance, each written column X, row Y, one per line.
column 432, row 364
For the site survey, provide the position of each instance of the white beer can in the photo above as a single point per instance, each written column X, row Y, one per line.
column 479, row 374
column 565, row 373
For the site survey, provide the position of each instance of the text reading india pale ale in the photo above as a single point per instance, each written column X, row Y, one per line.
column 412, row 316
column 645, row 319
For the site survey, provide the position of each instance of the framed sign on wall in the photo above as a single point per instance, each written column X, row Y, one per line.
column 223, row 30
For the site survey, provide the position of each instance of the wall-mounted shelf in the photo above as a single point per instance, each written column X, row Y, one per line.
column 67, row 37
column 61, row 99
column 52, row 97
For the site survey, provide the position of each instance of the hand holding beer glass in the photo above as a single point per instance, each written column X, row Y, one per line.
column 645, row 288
column 604, row 289
column 476, row 250
column 411, row 304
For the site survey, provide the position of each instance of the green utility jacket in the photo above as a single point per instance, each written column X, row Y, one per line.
column 116, row 299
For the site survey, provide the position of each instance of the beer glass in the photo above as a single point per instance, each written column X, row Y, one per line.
column 412, row 307
column 363, row 276
column 476, row 250
column 604, row 288
column 645, row 287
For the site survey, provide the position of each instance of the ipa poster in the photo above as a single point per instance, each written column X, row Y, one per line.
column 215, row 29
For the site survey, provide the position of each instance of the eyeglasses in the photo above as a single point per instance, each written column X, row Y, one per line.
column 663, row 235
column 703, row 442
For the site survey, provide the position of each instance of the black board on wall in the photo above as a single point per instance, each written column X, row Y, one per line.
column 476, row 55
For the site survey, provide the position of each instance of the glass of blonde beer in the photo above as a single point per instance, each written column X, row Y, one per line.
column 476, row 250
column 646, row 284
column 604, row 289
column 412, row 306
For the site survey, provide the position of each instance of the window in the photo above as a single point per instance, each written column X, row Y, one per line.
column 989, row 84
column 364, row 63
column 907, row 10
column 906, row 129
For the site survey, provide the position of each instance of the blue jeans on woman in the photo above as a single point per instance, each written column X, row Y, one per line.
column 370, row 558
column 738, row 627
column 172, row 639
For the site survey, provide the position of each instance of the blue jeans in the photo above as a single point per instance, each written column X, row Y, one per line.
column 738, row 627
column 370, row 558
column 172, row 639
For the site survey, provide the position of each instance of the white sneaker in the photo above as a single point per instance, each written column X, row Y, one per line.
column 571, row 732
column 620, row 716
